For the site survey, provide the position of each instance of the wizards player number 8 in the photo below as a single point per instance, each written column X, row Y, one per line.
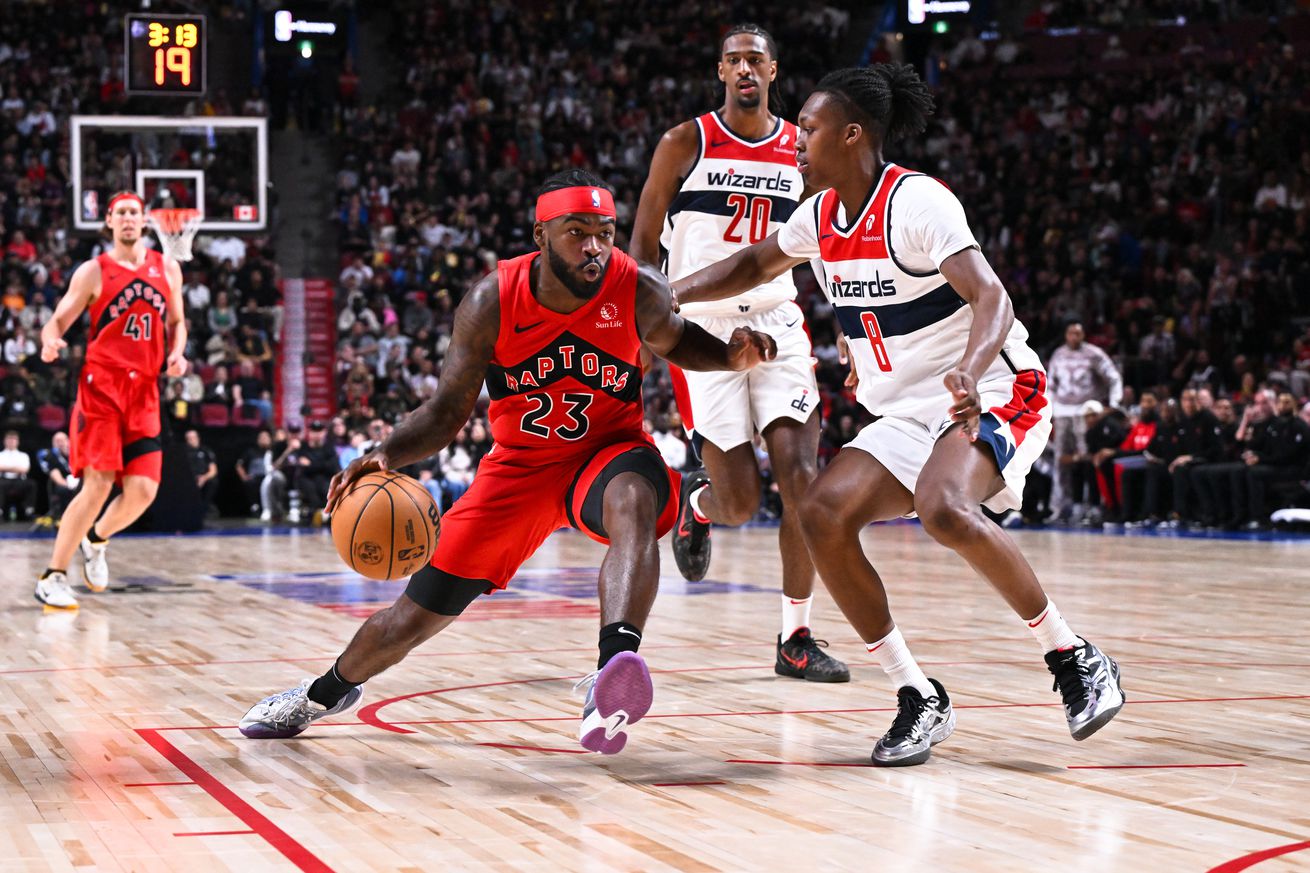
column 758, row 208
column 137, row 327
column 576, row 413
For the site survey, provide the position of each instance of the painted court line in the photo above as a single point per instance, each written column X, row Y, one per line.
column 153, row 784
column 1254, row 858
column 1147, row 766
column 227, row 798
column 213, row 833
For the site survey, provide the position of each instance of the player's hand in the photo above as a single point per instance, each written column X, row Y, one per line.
column 967, row 407
column 373, row 462
column 747, row 347
column 51, row 347
column 177, row 364
column 844, row 357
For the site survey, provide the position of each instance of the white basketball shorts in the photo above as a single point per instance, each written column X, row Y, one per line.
column 727, row 408
column 1015, row 426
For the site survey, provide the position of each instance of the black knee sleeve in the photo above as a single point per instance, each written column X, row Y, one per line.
column 440, row 592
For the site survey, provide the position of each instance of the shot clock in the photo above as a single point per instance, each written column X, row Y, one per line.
column 165, row 54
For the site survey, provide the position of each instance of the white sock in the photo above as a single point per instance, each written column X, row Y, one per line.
column 1051, row 630
column 694, row 500
column 899, row 665
column 795, row 614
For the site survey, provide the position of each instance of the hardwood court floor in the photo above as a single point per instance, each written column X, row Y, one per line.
column 118, row 749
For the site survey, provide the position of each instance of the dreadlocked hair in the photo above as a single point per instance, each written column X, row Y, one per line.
column 891, row 97
column 777, row 105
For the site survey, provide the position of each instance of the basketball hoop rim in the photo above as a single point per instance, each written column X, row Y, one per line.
column 173, row 220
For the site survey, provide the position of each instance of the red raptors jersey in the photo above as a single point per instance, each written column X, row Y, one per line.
column 129, row 316
column 565, row 384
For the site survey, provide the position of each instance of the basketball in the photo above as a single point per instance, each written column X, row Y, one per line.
column 386, row 526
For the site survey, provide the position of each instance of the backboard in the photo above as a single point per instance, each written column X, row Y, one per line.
column 218, row 165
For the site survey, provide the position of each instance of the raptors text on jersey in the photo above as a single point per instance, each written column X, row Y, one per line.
column 564, row 384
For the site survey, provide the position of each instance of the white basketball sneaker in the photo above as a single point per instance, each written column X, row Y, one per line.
column 286, row 714
column 95, row 569
column 53, row 590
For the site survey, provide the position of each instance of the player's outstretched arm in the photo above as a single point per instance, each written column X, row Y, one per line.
column 82, row 289
column 686, row 343
column 430, row 428
column 993, row 314
column 669, row 165
column 742, row 271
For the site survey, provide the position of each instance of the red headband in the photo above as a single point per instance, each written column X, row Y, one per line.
column 123, row 195
column 553, row 204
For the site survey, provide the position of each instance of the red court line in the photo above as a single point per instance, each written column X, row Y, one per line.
column 213, row 833
column 153, row 784
column 1147, row 766
column 1256, row 857
column 795, row 763
column 536, row 748
column 550, row 718
column 368, row 715
column 652, row 646
column 227, row 798
column 681, row 784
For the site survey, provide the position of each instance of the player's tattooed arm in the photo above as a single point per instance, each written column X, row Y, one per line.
column 432, row 426
column 82, row 290
column 686, row 343
column 742, row 271
column 673, row 158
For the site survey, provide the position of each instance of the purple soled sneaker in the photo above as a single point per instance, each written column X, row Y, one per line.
column 617, row 696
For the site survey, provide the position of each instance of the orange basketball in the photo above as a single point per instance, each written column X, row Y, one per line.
column 386, row 526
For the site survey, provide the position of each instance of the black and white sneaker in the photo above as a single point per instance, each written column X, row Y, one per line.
column 1088, row 680
column 920, row 724
column 801, row 656
column 691, row 538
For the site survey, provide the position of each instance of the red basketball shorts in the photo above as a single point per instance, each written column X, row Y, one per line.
column 516, row 502
column 115, row 424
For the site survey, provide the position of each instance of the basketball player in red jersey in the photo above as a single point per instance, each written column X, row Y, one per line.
column 718, row 183
column 556, row 335
column 134, row 297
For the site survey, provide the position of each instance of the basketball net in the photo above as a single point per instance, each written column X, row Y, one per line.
column 176, row 228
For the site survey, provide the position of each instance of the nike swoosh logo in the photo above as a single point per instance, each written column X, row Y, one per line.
column 624, row 630
column 798, row 663
column 1039, row 621
column 792, row 323
column 824, row 236
column 527, row 327
column 719, row 143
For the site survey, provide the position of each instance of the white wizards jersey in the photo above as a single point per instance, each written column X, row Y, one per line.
column 737, row 193
column 905, row 325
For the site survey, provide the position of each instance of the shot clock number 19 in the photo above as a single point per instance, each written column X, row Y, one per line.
column 165, row 54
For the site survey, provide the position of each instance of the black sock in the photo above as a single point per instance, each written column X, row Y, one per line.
column 49, row 570
column 615, row 638
column 94, row 537
column 329, row 688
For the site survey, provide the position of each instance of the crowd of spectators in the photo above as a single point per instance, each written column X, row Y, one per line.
column 1150, row 183
column 1160, row 204
column 57, row 60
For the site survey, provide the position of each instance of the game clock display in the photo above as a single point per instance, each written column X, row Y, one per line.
column 165, row 54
